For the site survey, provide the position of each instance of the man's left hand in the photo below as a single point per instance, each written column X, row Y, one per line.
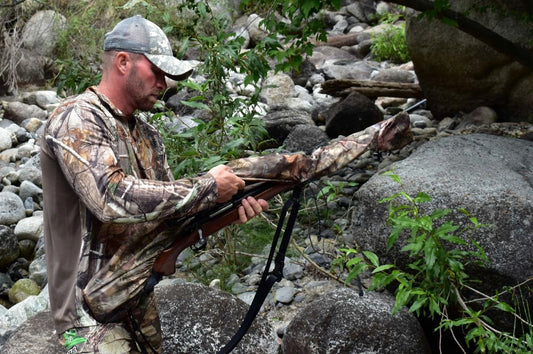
column 251, row 207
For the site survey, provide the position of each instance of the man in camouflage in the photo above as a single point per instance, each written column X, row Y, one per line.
column 108, row 193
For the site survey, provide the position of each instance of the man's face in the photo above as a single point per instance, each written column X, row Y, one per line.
column 144, row 83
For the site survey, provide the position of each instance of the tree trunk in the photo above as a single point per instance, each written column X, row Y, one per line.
column 372, row 89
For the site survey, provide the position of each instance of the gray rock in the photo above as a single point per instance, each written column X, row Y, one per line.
column 34, row 161
column 11, row 208
column 31, row 68
column 322, row 100
column 5, row 284
column 6, row 142
column 323, row 56
column 305, row 138
column 9, row 155
column 8, row 124
column 11, row 188
column 8, row 172
column 22, row 289
column 34, row 336
column 341, row 321
column 341, row 69
column 316, row 79
column 479, row 116
column 26, row 150
column 285, row 294
column 232, row 279
column 39, row 248
column 363, row 10
column 199, row 319
column 394, row 75
column 277, row 90
column 307, row 71
column 465, row 73
column 30, row 173
column 239, row 288
column 41, row 32
column 280, row 123
column 27, row 248
column 30, row 228
column 18, row 112
column 303, row 102
column 247, row 297
column 42, row 98
column 419, row 121
column 355, row 113
column 30, row 190
column 340, row 27
column 447, row 123
column 38, row 270
column 22, row 134
column 362, row 49
column 292, row 270
column 31, row 124
column 490, row 176
column 256, row 32
column 320, row 259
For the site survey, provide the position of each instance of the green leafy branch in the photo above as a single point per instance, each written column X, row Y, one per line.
column 434, row 281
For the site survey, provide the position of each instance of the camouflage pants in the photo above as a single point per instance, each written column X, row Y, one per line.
column 129, row 336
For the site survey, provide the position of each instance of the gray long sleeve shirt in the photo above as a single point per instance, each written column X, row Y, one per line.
column 107, row 189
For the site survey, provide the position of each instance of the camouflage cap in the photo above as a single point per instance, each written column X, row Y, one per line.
column 138, row 35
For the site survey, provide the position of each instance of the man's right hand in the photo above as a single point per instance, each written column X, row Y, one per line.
column 228, row 183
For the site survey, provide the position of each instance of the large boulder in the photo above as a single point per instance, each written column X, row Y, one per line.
column 194, row 319
column 280, row 123
column 18, row 112
column 459, row 73
column 41, row 32
column 306, row 138
column 199, row 319
column 354, row 113
column 341, row 321
column 489, row 176
column 36, row 335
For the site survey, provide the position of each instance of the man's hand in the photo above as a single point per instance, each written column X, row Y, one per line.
column 251, row 207
column 228, row 183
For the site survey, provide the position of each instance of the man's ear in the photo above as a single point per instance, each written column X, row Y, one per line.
column 123, row 62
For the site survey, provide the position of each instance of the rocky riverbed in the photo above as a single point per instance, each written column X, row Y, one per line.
column 23, row 281
column 296, row 113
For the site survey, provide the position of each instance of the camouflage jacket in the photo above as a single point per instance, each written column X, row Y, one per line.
column 107, row 191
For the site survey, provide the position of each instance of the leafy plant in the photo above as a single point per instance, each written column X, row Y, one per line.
column 79, row 46
column 432, row 284
column 233, row 248
column 232, row 123
column 390, row 44
column 75, row 76
column 305, row 23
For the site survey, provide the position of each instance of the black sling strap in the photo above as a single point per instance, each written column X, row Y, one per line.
column 269, row 278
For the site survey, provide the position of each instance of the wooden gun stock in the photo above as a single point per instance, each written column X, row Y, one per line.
column 216, row 219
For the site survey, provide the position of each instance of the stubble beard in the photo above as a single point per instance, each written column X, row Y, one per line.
column 138, row 93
